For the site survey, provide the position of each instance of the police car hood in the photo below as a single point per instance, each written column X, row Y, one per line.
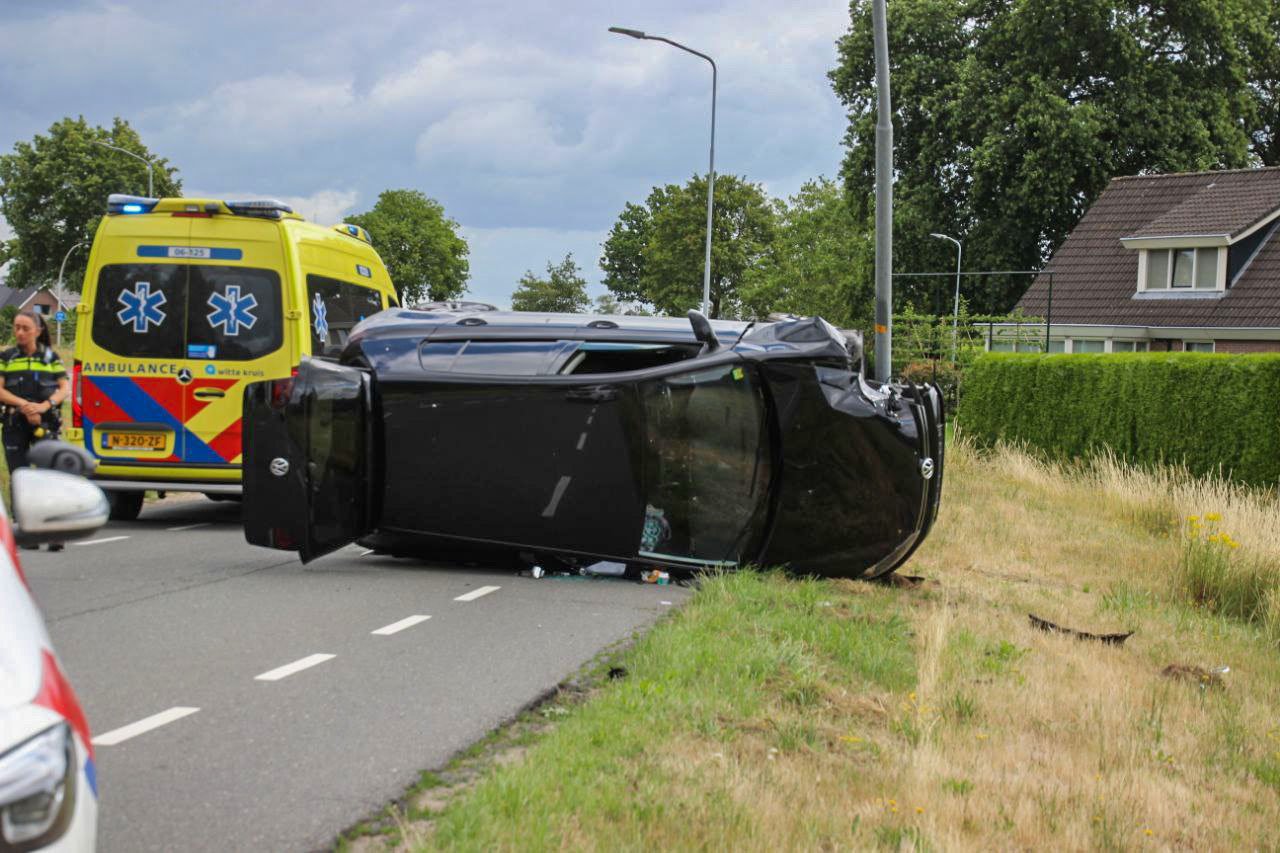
column 22, row 637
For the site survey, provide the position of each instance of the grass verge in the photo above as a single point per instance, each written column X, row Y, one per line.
column 772, row 713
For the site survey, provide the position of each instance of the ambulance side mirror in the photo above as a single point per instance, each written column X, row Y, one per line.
column 54, row 506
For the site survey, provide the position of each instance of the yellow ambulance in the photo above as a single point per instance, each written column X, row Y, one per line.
column 187, row 300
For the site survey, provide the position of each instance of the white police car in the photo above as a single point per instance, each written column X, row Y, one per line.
column 48, row 786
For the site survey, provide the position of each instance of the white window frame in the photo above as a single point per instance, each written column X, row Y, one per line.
column 1213, row 345
column 1220, row 281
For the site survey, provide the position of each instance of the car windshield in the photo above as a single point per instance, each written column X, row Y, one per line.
column 707, row 465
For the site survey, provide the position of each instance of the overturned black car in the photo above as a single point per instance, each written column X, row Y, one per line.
column 570, row 439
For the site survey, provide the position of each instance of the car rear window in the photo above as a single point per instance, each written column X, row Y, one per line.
column 187, row 311
column 335, row 308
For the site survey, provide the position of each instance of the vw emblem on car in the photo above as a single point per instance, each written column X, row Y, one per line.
column 279, row 466
column 184, row 376
column 926, row 468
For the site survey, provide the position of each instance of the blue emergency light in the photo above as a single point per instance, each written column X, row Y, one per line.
column 118, row 203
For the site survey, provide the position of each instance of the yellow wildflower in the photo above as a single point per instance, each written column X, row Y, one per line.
column 1193, row 518
column 1212, row 516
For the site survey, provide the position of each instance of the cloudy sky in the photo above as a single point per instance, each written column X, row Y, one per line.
column 529, row 122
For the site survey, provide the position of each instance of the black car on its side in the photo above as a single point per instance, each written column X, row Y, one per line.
column 571, row 439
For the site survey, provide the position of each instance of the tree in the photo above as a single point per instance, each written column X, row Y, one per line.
column 606, row 303
column 1010, row 118
column 424, row 254
column 53, row 192
column 822, row 261
column 563, row 291
column 655, row 253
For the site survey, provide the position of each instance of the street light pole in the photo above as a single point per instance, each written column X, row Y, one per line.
column 955, row 319
column 58, row 294
column 150, row 186
column 711, row 167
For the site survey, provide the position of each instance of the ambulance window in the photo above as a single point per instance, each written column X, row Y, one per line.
column 334, row 308
column 139, row 310
column 234, row 313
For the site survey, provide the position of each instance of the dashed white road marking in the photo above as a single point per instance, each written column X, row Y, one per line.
column 188, row 527
column 582, row 439
column 143, row 726
column 556, row 494
column 477, row 593
column 365, row 553
column 100, row 541
column 290, row 668
column 397, row 627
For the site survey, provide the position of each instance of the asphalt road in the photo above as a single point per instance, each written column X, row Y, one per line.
column 308, row 720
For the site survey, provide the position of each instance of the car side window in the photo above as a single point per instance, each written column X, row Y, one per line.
column 335, row 307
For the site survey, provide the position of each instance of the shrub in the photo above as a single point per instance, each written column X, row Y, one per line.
column 1211, row 413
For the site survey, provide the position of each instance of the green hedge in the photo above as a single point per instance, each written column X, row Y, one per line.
column 1210, row 412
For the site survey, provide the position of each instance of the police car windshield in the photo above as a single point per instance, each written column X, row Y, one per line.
column 181, row 311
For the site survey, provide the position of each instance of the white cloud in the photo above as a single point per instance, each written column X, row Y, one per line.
column 265, row 111
column 500, row 256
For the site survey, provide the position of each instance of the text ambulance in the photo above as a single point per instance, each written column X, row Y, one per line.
column 184, row 302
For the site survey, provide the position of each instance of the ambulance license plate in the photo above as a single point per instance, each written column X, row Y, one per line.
column 133, row 441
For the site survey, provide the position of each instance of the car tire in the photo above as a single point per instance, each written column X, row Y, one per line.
column 125, row 506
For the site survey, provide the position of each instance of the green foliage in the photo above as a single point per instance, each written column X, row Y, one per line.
column 564, row 290
column 424, row 254
column 655, row 253
column 821, row 261
column 1010, row 118
column 53, row 192
column 1210, row 412
column 606, row 303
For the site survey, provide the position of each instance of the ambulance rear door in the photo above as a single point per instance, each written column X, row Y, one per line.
column 131, row 381
column 235, row 328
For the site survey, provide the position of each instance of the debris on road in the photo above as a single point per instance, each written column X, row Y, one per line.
column 534, row 572
column 1206, row 678
column 616, row 672
column 606, row 567
column 656, row 576
column 1049, row 627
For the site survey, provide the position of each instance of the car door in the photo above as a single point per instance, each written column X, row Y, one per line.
column 308, row 459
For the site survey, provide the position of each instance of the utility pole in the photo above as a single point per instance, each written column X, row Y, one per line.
column 884, row 197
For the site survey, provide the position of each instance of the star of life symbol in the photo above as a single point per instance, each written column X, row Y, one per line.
column 322, row 321
column 141, row 307
column 232, row 311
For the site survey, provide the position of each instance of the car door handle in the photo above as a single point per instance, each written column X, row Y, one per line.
column 209, row 393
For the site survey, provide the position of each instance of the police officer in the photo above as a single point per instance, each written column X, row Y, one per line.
column 35, row 384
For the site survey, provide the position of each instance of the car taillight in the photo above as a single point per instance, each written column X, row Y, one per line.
column 281, row 390
column 77, row 402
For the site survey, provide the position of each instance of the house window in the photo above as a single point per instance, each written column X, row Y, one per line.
column 1129, row 346
column 1088, row 345
column 1182, row 269
column 1057, row 346
column 1001, row 346
column 1197, row 346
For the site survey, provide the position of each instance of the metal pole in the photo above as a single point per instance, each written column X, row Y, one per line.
column 711, row 168
column 955, row 319
column 58, row 293
column 884, row 198
column 1048, row 315
column 150, row 185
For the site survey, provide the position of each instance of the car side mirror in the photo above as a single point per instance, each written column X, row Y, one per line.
column 54, row 506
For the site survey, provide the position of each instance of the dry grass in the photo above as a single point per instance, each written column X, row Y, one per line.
column 774, row 714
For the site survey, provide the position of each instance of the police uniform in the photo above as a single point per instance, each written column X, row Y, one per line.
column 32, row 377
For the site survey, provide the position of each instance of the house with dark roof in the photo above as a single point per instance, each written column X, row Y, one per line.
column 1168, row 263
column 40, row 299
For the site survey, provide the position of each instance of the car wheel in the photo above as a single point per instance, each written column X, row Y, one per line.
column 125, row 506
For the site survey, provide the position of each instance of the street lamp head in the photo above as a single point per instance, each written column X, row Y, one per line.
column 623, row 31
column 939, row 236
